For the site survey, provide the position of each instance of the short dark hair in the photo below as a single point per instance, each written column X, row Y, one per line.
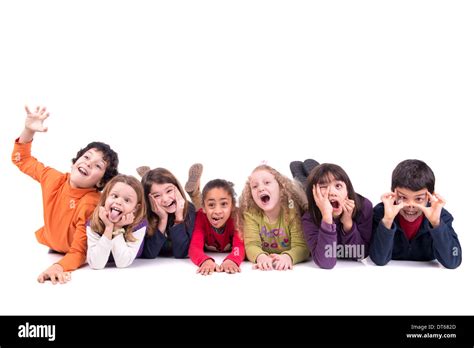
column 110, row 156
column 414, row 175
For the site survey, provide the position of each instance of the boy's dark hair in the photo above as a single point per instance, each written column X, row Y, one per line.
column 414, row 175
column 321, row 174
column 110, row 156
column 227, row 186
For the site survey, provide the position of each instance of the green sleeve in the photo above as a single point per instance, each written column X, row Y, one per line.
column 299, row 250
column 253, row 243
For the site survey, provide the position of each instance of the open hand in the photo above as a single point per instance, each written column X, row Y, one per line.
column 282, row 262
column 34, row 120
column 264, row 263
column 228, row 266
column 433, row 212
column 157, row 209
column 207, row 267
column 56, row 274
column 391, row 208
column 323, row 203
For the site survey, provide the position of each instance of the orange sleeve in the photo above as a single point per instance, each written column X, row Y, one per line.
column 76, row 256
column 21, row 157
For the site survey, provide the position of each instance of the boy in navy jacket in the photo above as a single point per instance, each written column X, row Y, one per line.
column 410, row 223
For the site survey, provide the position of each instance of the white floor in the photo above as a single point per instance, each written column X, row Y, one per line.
column 170, row 287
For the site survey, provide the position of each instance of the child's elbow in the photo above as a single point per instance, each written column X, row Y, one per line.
column 123, row 264
column 327, row 263
column 96, row 266
column 378, row 261
column 452, row 265
column 181, row 255
column 327, row 266
column 181, row 252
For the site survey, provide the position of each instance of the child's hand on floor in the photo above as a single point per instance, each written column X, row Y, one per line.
column 228, row 266
column 264, row 262
column 282, row 262
column 56, row 274
column 207, row 267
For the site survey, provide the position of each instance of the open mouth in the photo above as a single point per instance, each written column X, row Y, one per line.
column 216, row 220
column 410, row 213
column 115, row 214
column 170, row 205
column 82, row 171
column 335, row 204
column 265, row 198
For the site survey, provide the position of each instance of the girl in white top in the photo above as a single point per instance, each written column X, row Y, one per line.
column 115, row 227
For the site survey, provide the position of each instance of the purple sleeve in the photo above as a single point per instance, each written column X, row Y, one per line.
column 361, row 231
column 321, row 241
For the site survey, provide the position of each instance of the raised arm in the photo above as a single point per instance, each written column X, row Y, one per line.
column 21, row 155
column 33, row 123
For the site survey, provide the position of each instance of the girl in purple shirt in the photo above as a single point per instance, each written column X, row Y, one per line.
column 338, row 223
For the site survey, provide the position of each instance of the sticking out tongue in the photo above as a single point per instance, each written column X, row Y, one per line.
column 114, row 214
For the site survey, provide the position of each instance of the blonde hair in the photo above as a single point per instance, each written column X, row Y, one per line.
column 98, row 225
column 292, row 196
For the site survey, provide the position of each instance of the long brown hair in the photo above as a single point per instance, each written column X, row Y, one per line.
column 321, row 174
column 292, row 197
column 96, row 223
column 159, row 176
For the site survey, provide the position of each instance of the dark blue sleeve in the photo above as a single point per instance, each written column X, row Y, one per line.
column 153, row 245
column 382, row 238
column 446, row 246
column 181, row 234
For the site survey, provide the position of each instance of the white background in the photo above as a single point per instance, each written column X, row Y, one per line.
column 364, row 84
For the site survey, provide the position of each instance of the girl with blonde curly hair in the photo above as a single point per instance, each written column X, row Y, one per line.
column 271, row 206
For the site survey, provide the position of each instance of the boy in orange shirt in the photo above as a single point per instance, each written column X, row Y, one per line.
column 68, row 198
